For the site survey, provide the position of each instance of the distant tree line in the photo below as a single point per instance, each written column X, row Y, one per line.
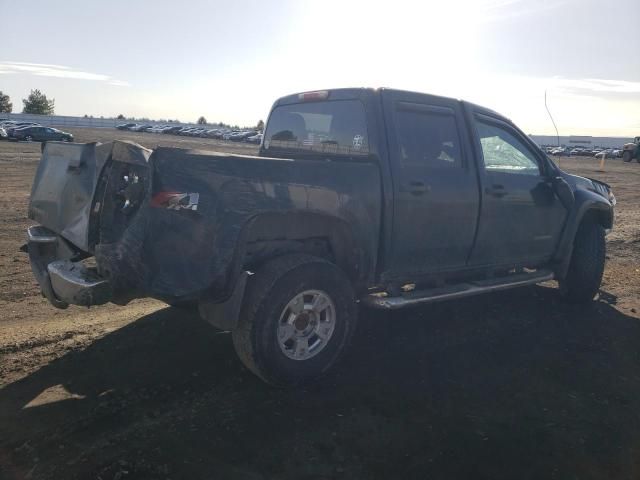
column 38, row 103
column 5, row 103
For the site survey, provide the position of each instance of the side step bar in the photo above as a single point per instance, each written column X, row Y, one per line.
column 456, row 291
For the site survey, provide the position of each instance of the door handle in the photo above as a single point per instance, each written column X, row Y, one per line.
column 496, row 190
column 417, row 188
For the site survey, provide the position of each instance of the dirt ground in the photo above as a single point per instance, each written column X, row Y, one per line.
column 516, row 384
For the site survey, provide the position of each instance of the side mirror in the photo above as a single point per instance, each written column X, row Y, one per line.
column 564, row 192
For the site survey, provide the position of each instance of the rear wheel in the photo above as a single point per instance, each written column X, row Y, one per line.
column 587, row 263
column 626, row 156
column 298, row 316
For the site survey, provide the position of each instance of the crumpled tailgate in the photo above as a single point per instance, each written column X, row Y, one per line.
column 65, row 184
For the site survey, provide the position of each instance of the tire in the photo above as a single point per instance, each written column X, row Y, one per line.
column 267, row 340
column 626, row 156
column 586, row 265
column 29, row 138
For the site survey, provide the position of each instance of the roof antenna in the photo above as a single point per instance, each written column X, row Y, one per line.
column 554, row 123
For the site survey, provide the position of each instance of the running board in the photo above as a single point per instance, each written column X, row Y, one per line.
column 456, row 291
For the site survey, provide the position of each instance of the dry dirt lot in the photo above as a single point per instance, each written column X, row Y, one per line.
column 513, row 385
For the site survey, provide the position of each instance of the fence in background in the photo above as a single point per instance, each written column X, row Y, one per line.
column 65, row 121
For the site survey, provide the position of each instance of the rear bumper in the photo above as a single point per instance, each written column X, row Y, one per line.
column 62, row 280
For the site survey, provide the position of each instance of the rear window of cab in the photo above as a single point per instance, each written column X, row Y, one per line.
column 336, row 127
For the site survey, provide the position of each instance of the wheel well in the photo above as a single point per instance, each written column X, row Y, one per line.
column 601, row 217
column 271, row 235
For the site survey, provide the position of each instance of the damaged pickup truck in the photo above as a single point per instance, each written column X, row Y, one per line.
column 383, row 197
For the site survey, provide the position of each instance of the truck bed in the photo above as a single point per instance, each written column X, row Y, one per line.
column 175, row 224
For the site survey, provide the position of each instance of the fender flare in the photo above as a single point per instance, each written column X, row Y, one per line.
column 587, row 204
column 347, row 244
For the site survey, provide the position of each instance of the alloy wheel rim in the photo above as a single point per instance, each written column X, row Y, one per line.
column 306, row 324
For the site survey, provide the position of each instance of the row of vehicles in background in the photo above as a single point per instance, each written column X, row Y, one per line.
column 31, row 132
column 249, row 136
column 583, row 152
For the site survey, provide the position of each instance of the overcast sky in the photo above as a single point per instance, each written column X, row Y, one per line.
column 229, row 60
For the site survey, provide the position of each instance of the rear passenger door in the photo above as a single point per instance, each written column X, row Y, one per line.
column 436, row 196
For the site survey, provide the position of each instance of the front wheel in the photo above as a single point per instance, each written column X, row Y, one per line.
column 298, row 316
column 29, row 138
column 626, row 156
column 586, row 265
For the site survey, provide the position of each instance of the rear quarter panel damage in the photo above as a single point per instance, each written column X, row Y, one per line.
column 170, row 253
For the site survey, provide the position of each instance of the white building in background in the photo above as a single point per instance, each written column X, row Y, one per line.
column 573, row 141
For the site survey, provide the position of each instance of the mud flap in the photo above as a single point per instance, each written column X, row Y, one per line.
column 225, row 315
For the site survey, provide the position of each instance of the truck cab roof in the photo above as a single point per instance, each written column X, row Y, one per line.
column 352, row 93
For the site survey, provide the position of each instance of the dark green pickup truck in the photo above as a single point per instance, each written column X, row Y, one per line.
column 383, row 197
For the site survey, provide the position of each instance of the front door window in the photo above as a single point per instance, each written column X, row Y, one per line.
column 503, row 152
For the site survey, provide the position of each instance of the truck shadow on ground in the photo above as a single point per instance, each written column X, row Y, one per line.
column 511, row 385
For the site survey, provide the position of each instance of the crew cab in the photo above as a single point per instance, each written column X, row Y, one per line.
column 381, row 197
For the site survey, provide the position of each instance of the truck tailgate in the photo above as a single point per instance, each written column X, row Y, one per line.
column 64, row 187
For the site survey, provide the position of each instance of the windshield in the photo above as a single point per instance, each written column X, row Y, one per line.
column 332, row 127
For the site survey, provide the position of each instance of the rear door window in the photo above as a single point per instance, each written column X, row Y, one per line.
column 428, row 136
column 334, row 127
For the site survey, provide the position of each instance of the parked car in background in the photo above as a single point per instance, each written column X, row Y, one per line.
column 159, row 128
column 607, row 152
column 7, row 123
column 257, row 138
column 196, row 132
column 211, row 133
column 228, row 135
column 140, row 128
column 560, row 152
column 3, row 134
column 241, row 136
column 172, row 129
column 125, row 126
column 17, row 125
column 40, row 134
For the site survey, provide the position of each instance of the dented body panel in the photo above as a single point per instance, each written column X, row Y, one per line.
column 180, row 229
